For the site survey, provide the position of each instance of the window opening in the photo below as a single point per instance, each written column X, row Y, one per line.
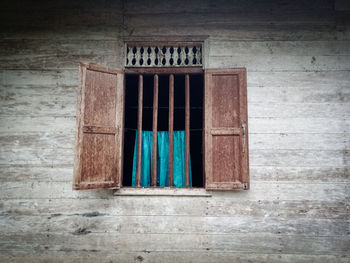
column 194, row 118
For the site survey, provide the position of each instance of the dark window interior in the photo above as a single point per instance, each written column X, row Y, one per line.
column 196, row 117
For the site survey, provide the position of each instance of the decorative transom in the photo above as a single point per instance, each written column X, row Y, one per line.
column 187, row 55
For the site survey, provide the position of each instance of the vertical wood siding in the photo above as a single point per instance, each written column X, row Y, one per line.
column 297, row 59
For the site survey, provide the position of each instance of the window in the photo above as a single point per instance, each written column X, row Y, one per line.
column 164, row 100
column 114, row 104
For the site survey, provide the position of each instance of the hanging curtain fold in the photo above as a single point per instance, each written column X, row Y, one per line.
column 162, row 159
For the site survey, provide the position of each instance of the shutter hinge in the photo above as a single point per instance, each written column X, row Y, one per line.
column 245, row 186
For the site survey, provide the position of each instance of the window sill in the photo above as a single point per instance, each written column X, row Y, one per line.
column 164, row 191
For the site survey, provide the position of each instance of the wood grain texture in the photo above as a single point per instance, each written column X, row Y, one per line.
column 153, row 206
column 187, row 129
column 98, row 128
column 158, row 257
column 155, row 129
column 282, row 63
column 277, row 191
column 171, row 128
column 281, row 48
column 246, row 243
column 226, row 131
column 139, row 130
column 297, row 210
column 182, row 225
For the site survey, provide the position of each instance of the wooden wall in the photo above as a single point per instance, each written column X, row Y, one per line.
column 297, row 54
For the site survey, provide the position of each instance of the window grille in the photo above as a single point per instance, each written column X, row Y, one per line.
column 177, row 55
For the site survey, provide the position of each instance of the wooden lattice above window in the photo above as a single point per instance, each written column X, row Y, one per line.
column 167, row 55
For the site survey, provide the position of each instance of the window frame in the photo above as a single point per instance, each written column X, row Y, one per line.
column 167, row 71
column 241, row 85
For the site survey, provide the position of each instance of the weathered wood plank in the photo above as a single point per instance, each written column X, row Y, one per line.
column 58, row 18
column 81, row 5
column 161, row 257
column 158, row 7
column 289, row 209
column 341, row 5
column 300, row 174
column 39, row 78
column 295, row 141
column 164, row 6
column 232, row 18
column 174, row 224
column 336, row 93
column 277, row 191
column 40, row 173
column 37, row 124
column 316, row 158
column 291, row 191
column 245, row 32
column 140, row 242
column 299, row 110
column 49, row 190
column 270, row 25
column 307, row 244
column 69, row 61
column 39, row 156
column 253, row 243
column 38, row 101
column 298, row 125
column 343, row 32
column 301, row 79
column 281, row 63
column 73, row 32
column 279, row 48
column 184, row 206
column 45, row 54
column 37, row 140
column 29, row 48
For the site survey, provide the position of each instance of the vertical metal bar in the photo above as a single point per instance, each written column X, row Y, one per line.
column 171, row 127
column 187, row 130
column 155, row 130
column 139, row 132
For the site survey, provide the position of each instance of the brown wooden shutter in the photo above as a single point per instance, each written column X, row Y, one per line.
column 226, row 162
column 100, row 128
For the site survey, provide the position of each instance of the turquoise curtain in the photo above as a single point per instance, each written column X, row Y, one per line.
column 162, row 159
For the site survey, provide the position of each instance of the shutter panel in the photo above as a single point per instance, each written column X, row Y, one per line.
column 100, row 128
column 226, row 162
